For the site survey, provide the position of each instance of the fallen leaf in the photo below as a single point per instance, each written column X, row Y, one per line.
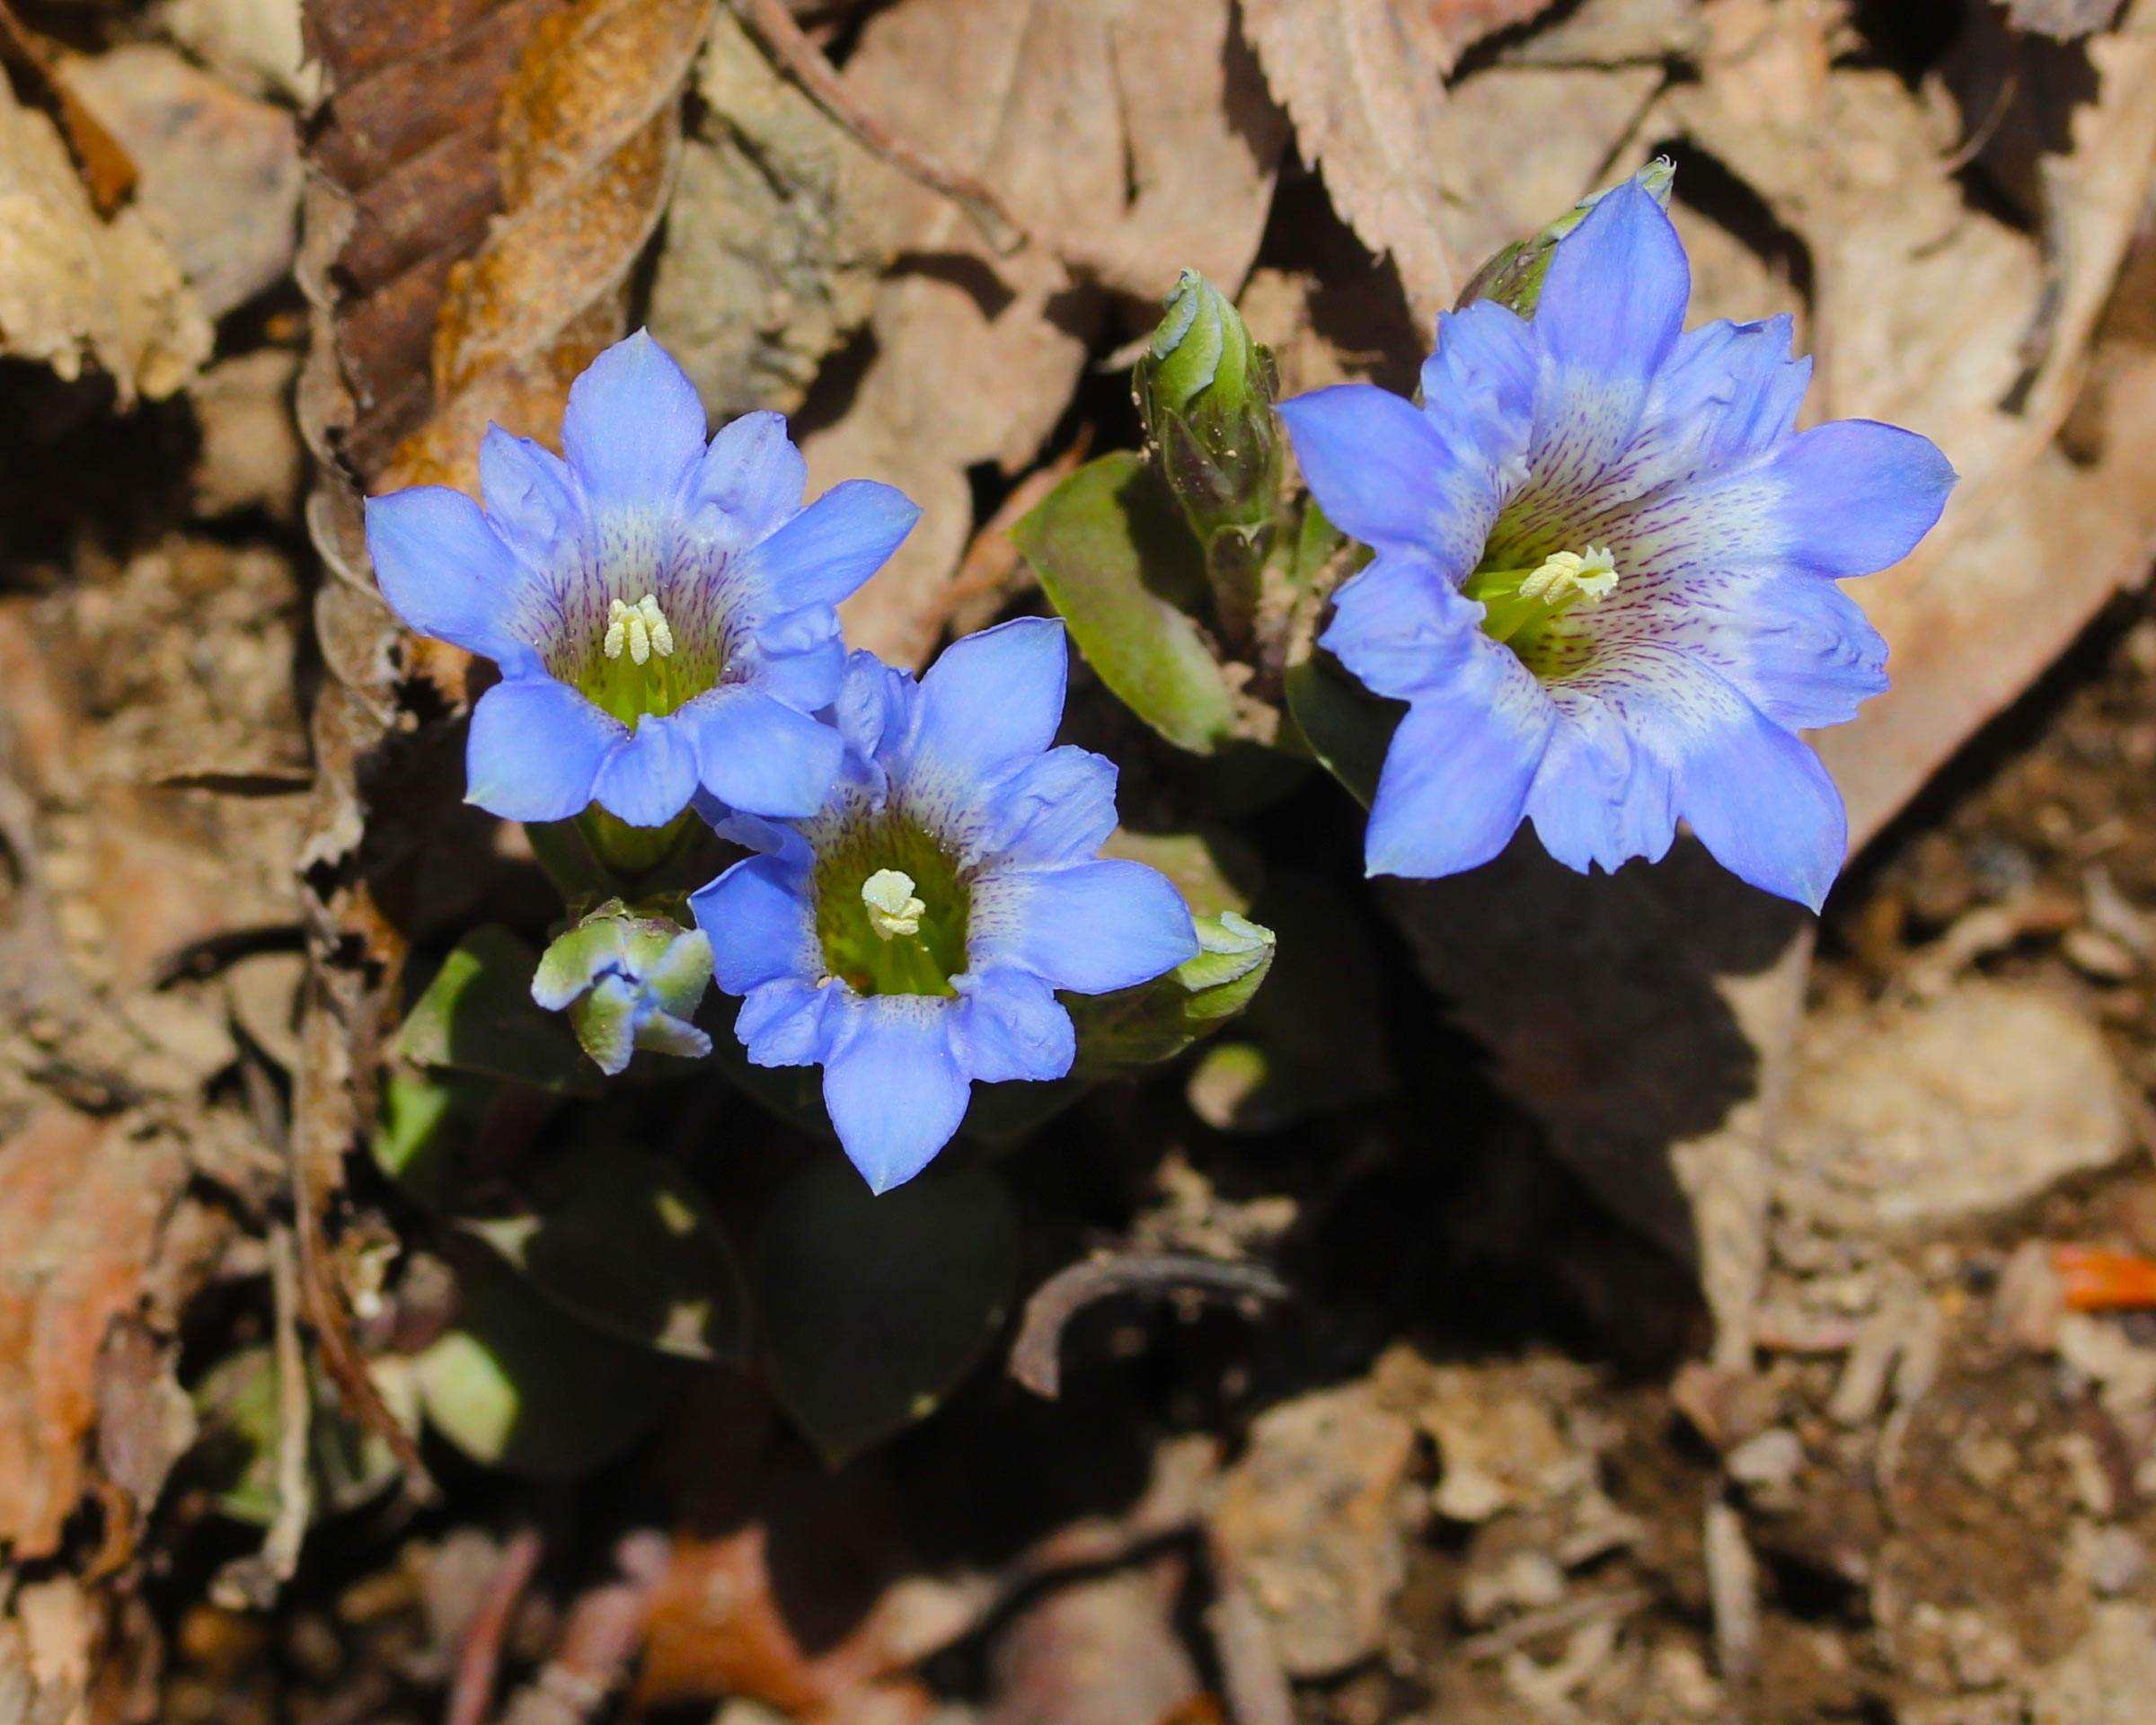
column 1140, row 137
column 1307, row 1522
column 81, row 1202
column 77, row 287
column 1364, row 82
column 220, row 171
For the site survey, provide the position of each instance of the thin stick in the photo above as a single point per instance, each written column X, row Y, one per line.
column 786, row 42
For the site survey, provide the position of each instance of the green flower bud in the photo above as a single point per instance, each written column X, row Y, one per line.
column 1514, row 276
column 628, row 982
column 1206, row 390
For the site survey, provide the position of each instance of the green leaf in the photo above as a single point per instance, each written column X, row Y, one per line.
column 237, row 1406
column 478, row 1016
column 1156, row 1020
column 1120, row 564
column 428, row 1118
column 520, row 1384
column 1346, row 727
column 620, row 1238
column 875, row 1307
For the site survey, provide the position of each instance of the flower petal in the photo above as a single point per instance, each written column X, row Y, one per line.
column 633, row 430
column 1855, row 496
column 1090, row 927
column 1401, row 626
column 1478, row 386
column 894, row 1092
column 756, row 754
column 535, row 750
column 1009, row 1025
column 761, row 923
column 1760, row 800
column 649, row 779
column 1456, row 774
column 444, row 573
column 1755, row 794
column 1614, row 302
column 834, row 545
column 531, row 499
column 788, row 1022
column 1598, row 798
column 1058, row 808
column 751, row 479
column 993, row 700
column 1384, row 474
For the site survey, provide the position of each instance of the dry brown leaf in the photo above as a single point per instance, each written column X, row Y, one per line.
column 1363, row 81
column 81, row 1202
column 777, row 231
column 1140, row 137
column 220, row 171
column 75, row 287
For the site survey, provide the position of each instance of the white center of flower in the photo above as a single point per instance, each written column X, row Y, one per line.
column 893, row 910
column 1590, row 575
column 639, row 628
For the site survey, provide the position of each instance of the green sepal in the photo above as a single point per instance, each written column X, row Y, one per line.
column 1514, row 276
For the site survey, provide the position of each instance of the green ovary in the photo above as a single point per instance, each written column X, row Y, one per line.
column 637, row 667
column 872, row 936
column 1521, row 603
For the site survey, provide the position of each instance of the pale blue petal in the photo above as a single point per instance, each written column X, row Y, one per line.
column 444, row 573
column 1598, row 798
column 1384, row 474
column 531, row 499
column 875, row 707
column 805, row 676
column 1456, row 778
column 1614, row 302
column 1478, row 387
column 633, row 430
column 650, row 777
column 789, row 1023
column 754, row 754
column 993, row 700
column 1401, row 626
column 834, row 545
column 536, row 749
column 1009, row 1025
column 1799, row 649
column 1854, row 496
column 895, row 1091
column 1089, row 927
column 1761, row 803
column 761, row 923
column 1058, row 808
column 751, row 479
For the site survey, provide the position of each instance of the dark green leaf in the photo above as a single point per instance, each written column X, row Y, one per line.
column 624, row 1241
column 874, row 1308
column 520, row 1384
column 478, row 1016
column 1346, row 727
column 236, row 1456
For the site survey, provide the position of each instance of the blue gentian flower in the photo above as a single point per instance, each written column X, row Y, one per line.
column 911, row 934
column 660, row 608
column 1605, row 573
column 627, row 983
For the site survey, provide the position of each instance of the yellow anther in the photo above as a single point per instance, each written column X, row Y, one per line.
column 639, row 628
column 1591, row 575
column 893, row 910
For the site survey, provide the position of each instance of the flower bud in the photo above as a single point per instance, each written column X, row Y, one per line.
column 1206, row 390
column 628, row 982
column 1514, row 278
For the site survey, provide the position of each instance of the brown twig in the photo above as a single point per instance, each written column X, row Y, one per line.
column 1036, row 1358
column 786, row 42
column 251, row 1582
column 479, row 1655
